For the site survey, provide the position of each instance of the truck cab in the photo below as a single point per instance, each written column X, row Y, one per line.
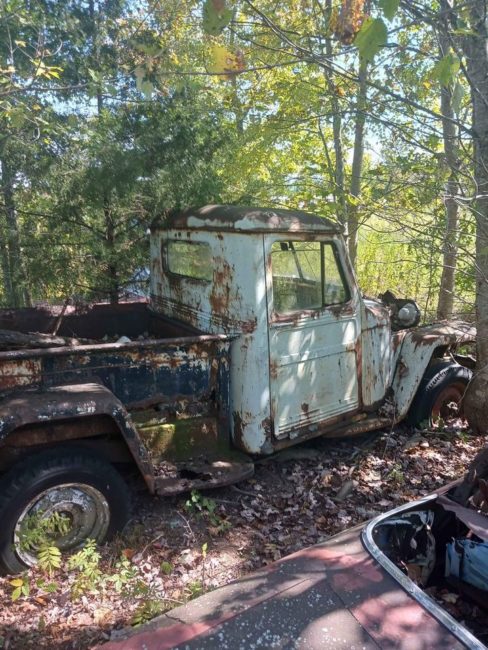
column 309, row 355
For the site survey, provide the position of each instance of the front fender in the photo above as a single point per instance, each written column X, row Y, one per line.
column 414, row 351
column 34, row 406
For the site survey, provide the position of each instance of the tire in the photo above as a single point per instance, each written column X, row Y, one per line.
column 85, row 489
column 444, row 383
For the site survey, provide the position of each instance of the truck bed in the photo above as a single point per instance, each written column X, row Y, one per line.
column 165, row 361
column 172, row 379
column 99, row 322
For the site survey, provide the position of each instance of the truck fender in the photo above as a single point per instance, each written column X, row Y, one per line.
column 415, row 351
column 35, row 406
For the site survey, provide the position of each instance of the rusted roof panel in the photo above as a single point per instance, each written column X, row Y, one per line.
column 247, row 219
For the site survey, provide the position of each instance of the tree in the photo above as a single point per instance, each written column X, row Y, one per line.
column 451, row 151
column 475, row 47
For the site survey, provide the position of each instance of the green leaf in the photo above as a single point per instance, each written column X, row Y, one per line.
column 17, row 582
column 457, row 96
column 445, row 69
column 93, row 74
column 223, row 61
column 216, row 17
column 16, row 594
column 371, row 37
column 167, row 568
column 389, row 7
column 17, row 118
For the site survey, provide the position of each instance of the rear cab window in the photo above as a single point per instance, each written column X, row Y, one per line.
column 189, row 259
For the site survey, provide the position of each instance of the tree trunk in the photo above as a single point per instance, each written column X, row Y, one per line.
column 5, row 264
column 16, row 281
column 339, row 190
column 239, row 112
column 113, row 276
column 477, row 470
column 357, row 162
column 450, row 245
column 476, row 51
column 109, row 241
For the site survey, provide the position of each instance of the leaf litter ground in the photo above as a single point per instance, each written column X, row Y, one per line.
column 175, row 549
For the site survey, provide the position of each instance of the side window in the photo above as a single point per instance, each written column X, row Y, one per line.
column 335, row 289
column 306, row 275
column 190, row 259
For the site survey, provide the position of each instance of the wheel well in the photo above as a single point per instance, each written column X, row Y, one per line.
column 98, row 432
column 452, row 353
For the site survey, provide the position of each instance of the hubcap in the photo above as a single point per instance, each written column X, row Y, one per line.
column 82, row 509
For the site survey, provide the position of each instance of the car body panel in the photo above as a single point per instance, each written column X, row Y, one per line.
column 333, row 595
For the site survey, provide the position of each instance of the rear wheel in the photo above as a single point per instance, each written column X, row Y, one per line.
column 440, row 395
column 60, row 499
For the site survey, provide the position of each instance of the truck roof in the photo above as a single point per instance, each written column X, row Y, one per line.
column 238, row 218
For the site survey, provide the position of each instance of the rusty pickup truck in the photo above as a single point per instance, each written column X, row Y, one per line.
column 256, row 337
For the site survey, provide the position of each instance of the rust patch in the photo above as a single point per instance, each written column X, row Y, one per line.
column 359, row 370
column 397, row 339
column 402, row 368
column 220, row 296
column 239, row 218
column 294, row 318
column 342, row 309
column 21, row 372
column 267, row 425
column 249, row 326
column 273, row 368
column 449, row 332
column 239, row 426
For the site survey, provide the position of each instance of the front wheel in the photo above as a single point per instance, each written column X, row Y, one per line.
column 440, row 394
column 59, row 499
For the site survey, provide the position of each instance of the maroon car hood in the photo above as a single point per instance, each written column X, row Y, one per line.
column 333, row 595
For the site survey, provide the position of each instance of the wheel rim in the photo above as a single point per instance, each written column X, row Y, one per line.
column 448, row 404
column 83, row 508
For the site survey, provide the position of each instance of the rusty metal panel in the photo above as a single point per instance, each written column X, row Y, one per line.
column 73, row 402
column 234, row 303
column 20, row 372
column 313, row 358
column 237, row 218
column 377, row 352
column 315, row 371
column 144, row 375
column 414, row 351
column 181, row 373
column 223, row 304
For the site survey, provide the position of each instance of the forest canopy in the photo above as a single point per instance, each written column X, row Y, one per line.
column 115, row 112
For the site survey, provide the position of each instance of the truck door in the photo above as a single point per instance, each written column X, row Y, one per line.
column 314, row 333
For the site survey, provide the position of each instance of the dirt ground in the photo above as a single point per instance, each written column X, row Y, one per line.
column 175, row 549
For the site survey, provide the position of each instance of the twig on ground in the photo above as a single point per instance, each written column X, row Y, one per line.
column 187, row 524
column 234, row 488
